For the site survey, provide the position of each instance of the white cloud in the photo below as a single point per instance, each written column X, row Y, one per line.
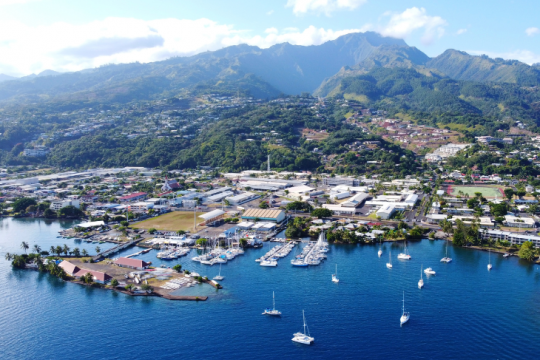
column 532, row 31
column 309, row 36
column 67, row 47
column 461, row 31
column 525, row 56
column 270, row 12
column 11, row 2
column 322, row 6
column 403, row 24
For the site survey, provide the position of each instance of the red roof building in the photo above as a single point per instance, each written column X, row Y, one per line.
column 131, row 263
column 75, row 271
column 98, row 276
column 133, row 197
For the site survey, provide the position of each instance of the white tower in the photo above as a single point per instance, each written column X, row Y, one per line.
column 268, row 168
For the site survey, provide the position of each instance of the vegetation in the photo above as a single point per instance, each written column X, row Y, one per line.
column 299, row 227
column 527, row 251
column 321, row 213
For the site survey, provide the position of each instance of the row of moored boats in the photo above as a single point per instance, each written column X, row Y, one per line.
column 277, row 252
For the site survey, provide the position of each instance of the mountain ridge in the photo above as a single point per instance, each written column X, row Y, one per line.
column 265, row 73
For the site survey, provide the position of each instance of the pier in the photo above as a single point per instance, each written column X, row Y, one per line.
column 115, row 249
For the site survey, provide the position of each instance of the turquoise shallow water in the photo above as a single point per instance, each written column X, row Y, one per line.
column 463, row 312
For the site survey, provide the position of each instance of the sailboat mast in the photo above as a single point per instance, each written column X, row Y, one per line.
column 304, row 317
column 274, row 300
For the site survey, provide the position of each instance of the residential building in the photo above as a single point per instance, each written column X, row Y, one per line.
column 141, row 207
column 38, row 151
column 513, row 238
column 58, row 204
column 521, row 222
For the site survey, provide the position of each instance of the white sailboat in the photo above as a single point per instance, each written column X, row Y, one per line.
column 446, row 259
column 405, row 255
column 389, row 263
column 219, row 277
column 380, row 248
column 404, row 315
column 421, row 281
column 273, row 311
column 303, row 338
column 489, row 266
column 334, row 277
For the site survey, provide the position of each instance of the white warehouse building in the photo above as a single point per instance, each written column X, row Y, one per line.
column 386, row 211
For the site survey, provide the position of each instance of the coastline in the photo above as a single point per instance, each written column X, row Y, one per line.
column 123, row 291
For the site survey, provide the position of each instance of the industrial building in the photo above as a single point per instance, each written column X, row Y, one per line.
column 264, row 215
column 241, row 198
column 386, row 211
column 332, row 181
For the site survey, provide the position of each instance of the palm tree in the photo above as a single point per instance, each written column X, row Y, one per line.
column 58, row 250
column 52, row 250
column 9, row 257
column 98, row 249
column 84, row 252
column 65, row 249
column 37, row 248
column 24, row 246
column 76, row 252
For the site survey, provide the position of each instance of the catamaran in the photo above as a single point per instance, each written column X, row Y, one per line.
column 421, row 281
column 404, row 315
column 446, row 259
column 219, row 277
column 303, row 338
column 489, row 266
column 334, row 277
column 405, row 255
column 273, row 311
column 389, row 263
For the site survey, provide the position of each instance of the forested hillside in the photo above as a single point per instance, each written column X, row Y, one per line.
column 461, row 66
column 441, row 99
column 286, row 68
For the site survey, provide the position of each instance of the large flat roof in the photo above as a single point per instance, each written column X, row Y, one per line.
column 262, row 213
column 212, row 214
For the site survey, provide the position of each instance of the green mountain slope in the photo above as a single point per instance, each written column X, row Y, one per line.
column 285, row 68
column 402, row 89
column 461, row 66
column 385, row 56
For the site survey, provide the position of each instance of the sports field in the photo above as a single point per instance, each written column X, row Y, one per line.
column 487, row 192
column 173, row 221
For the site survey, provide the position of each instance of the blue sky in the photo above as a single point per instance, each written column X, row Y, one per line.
column 70, row 35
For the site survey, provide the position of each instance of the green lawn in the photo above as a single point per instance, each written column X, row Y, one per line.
column 487, row 192
column 173, row 221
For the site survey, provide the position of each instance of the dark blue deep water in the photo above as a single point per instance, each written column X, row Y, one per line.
column 463, row 312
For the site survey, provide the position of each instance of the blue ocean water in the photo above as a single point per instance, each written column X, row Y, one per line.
column 463, row 312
